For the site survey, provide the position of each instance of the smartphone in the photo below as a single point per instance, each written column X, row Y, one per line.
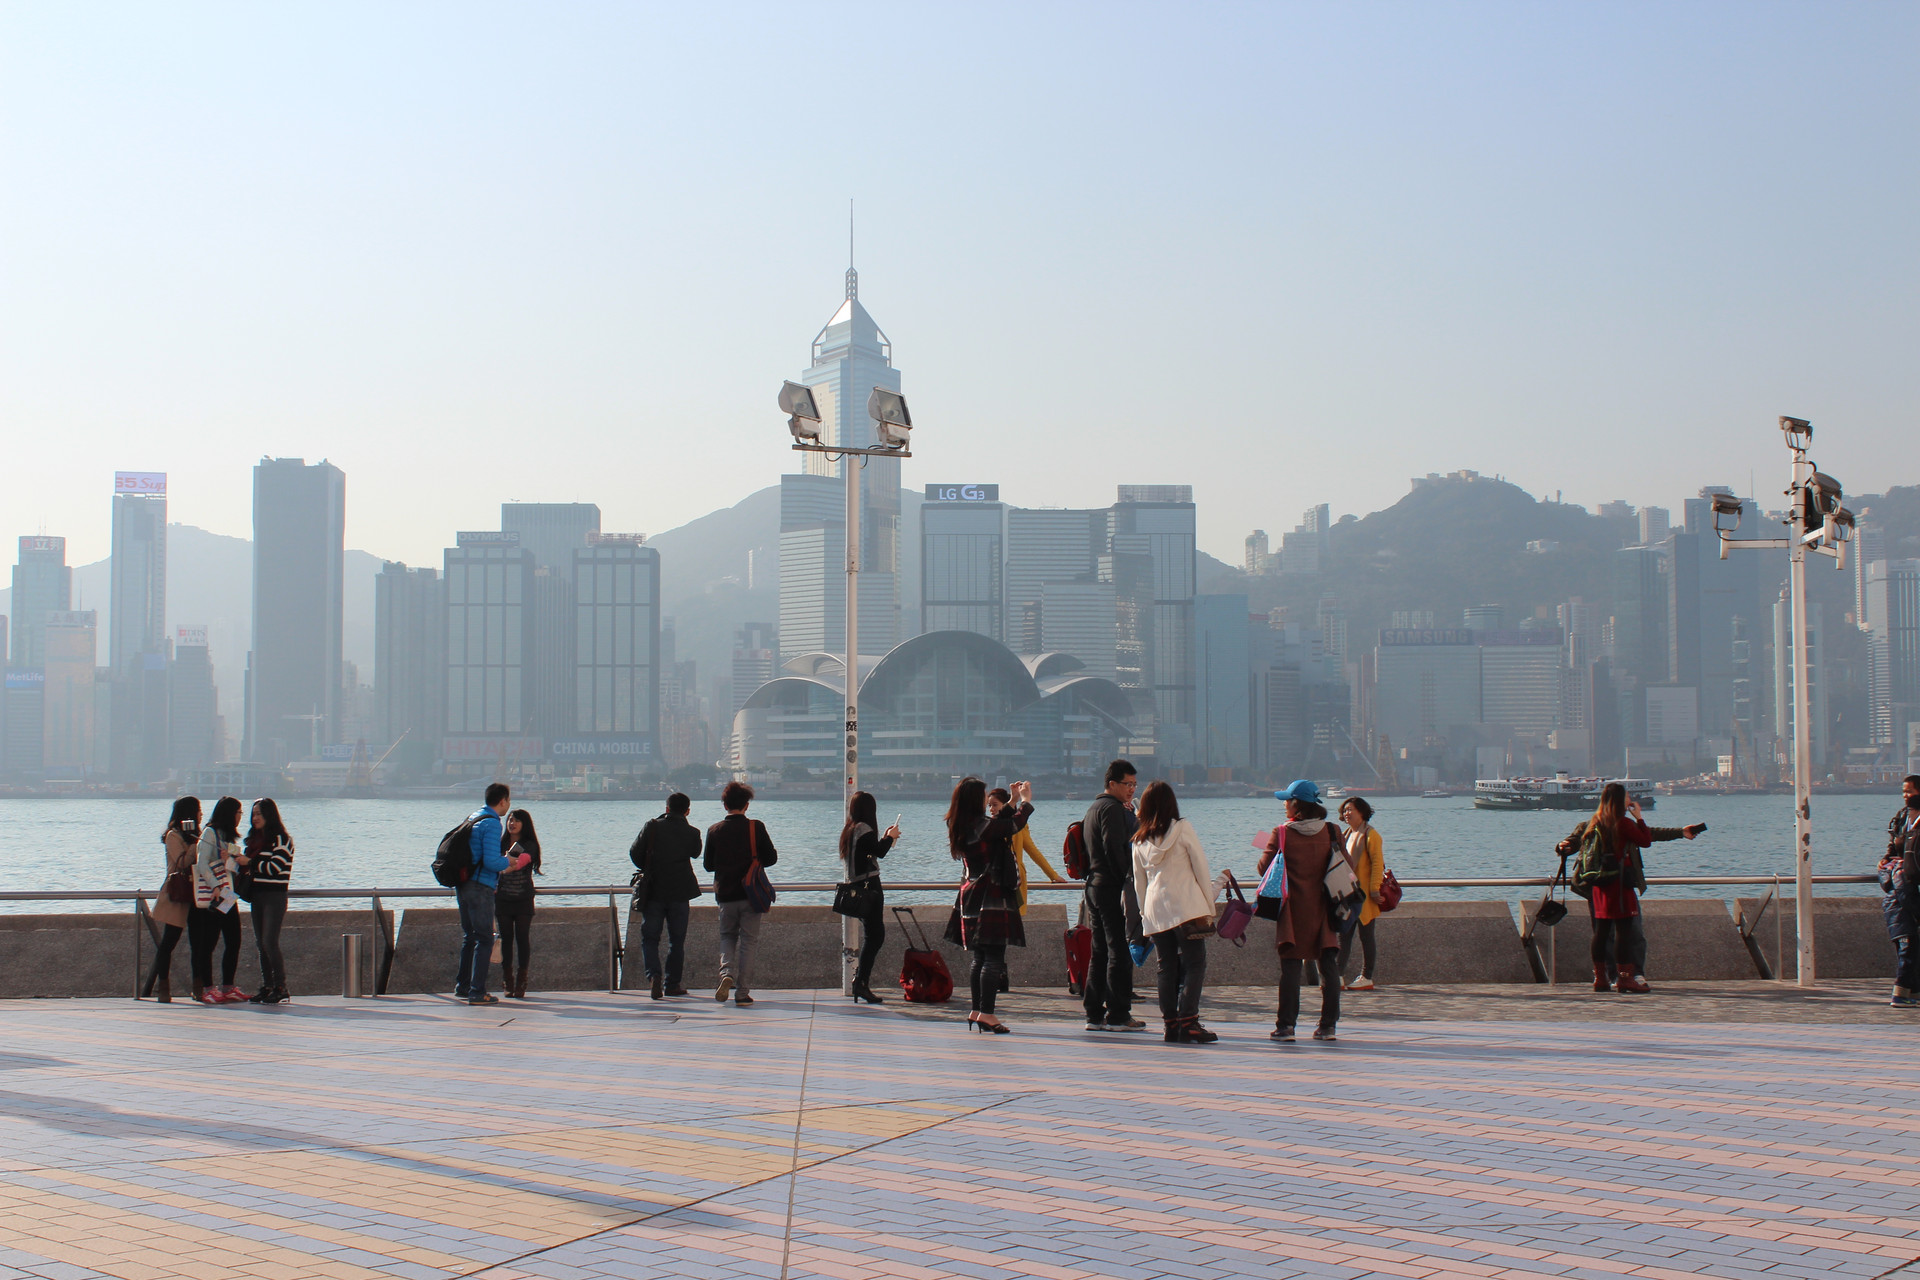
column 896, row 821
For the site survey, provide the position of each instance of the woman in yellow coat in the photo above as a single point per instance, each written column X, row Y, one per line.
column 1023, row 847
column 1369, row 865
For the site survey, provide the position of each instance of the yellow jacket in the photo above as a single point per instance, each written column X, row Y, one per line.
column 1369, row 865
column 1024, row 848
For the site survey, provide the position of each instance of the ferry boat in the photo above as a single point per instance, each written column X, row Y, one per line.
column 1557, row 792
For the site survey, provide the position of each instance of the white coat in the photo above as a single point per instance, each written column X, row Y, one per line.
column 1170, row 874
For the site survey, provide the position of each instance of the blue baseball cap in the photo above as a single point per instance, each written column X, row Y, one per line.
column 1301, row 790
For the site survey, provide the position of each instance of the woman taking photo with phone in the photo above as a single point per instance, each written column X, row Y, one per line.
column 986, row 918
column 267, row 857
column 1176, row 909
column 173, row 903
column 215, row 916
column 862, row 845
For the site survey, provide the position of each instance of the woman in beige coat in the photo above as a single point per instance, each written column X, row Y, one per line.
column 1176, row 909
column 180, row 840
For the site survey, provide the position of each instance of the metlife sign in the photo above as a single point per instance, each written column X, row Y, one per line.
column 963, row 493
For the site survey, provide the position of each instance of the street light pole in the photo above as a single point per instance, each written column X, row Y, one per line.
column 1815, row 522
column 888, row 410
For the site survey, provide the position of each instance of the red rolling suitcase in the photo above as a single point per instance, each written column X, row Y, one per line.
column 923, row 974
column 1079, row 944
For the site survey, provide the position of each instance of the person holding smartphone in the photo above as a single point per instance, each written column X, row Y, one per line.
column 862, row 846
column 986, row 915
column 181, row 841
column 1619, row 938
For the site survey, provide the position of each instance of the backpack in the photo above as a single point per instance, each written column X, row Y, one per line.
column 1597, row 861
column 1073, row 852
column 453, row 860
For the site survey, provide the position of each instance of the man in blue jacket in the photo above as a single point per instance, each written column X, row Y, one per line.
column 475, row 896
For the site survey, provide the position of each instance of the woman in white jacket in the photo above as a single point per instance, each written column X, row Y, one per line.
column 1176, row 909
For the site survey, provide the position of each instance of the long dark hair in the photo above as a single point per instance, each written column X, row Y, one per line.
column 225, row 818
column 185, row 809
column 968, row 805
column 529, row 839
column 1612, row 808
column 1159, row 810
column 271, row 829
column 860, row 809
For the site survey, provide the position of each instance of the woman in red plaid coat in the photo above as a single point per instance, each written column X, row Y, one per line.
column 986, row 916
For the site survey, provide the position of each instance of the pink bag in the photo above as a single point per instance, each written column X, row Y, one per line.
column 1235, row 915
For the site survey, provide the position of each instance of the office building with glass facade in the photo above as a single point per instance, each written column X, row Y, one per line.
column 962, row 560
column 489, row 648
column 299, row 548
column 617, row 668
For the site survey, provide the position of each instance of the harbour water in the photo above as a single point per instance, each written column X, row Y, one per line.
column 114, row 844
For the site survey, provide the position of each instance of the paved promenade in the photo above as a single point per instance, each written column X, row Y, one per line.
column 580, row 1137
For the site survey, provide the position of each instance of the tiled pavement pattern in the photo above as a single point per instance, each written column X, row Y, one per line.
column 580, row 1137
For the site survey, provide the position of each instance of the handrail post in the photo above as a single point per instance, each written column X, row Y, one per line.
column 614, row 950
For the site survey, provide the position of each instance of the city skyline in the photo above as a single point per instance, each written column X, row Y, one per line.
column 1488, row 239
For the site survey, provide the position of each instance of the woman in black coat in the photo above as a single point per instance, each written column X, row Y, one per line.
column 986, row 919
column 862, row 845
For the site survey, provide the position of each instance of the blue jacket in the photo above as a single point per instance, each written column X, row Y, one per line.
column 488, row 860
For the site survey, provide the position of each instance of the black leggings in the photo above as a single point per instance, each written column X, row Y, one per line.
column 163, row 958
column 269, row 913
column 1618, row 942
column 989, row 962
column 1291, row 972
column 873, row 935
column 206, row 926
column 515, row 918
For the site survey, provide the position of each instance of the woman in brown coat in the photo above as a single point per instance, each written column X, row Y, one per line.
column 181, row 840
column 1305, row 929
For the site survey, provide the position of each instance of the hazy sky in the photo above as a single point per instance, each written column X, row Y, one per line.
column 1287, row 254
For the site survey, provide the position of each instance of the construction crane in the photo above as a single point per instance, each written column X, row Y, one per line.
column 360, row 773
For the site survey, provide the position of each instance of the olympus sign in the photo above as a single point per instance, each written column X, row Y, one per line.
column 963, row 493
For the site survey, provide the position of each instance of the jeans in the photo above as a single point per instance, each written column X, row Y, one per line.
column 1291, row 972
column 1183, row 970
column 1902, row 909
column 674, row 916
column 515, row 918
column 269, row 914
column 1618, row 942
column 1365, row 933
column 1109, row 991
column 206, row 926
column 739, row 926
column 476, row 939
column 989, row 963
column 873, row 936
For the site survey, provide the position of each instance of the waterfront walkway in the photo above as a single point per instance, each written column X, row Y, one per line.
column 577, row 1137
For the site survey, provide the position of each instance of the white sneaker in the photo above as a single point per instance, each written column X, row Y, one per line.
column 1364, row 984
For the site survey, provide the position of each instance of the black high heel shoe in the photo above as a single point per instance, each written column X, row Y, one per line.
column 978, row 1021
column 863, row 992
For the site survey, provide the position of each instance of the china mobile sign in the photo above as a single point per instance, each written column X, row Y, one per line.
column 151, row 484
column 963, row 493
column 635, row 748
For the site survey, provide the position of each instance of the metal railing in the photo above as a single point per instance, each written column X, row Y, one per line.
column 1545, row 970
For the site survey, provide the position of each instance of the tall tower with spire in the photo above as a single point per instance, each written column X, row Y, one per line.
column 851, row 356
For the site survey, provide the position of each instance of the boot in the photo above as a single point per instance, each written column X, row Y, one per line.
column 520, row 983
column 1631, row 983
column 1175, row 1030
column 1194, row 1033
column 1600, row 982
column 862, row 992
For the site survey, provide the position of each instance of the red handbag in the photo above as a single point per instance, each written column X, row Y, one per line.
column 179, row 888
column 1390, row 891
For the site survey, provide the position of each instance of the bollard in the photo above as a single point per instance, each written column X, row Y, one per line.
column 351, row 945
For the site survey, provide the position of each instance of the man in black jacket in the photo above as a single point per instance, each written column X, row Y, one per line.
column 1108, row 830
column 1900, row 881
column 663, row 853
column 732, row 845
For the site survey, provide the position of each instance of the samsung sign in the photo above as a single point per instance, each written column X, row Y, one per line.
column 601, row 749
column 963, row 493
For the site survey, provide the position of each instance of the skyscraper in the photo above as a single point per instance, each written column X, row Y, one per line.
column 1893, row 651
column 489, row 588
column 813, row 565
column 617, row 668
column 1157, row 520
column 1783, row 668
column 962, row 560
column 299, row 544
column 42, row 585
column 851, row 357
column 552, row 531
column 138, row 605
column 71, row 642
column 194, row 711
column 1058, row 545
column 409, row 658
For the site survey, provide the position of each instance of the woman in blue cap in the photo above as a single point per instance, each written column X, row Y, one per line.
column 1304, row 931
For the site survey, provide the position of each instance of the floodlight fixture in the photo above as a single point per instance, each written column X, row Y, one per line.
column 1824, row 491
column 1799, row 432
column 1726, row 512
column 889, row 410
column 803, row 416
column 1841, row 524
